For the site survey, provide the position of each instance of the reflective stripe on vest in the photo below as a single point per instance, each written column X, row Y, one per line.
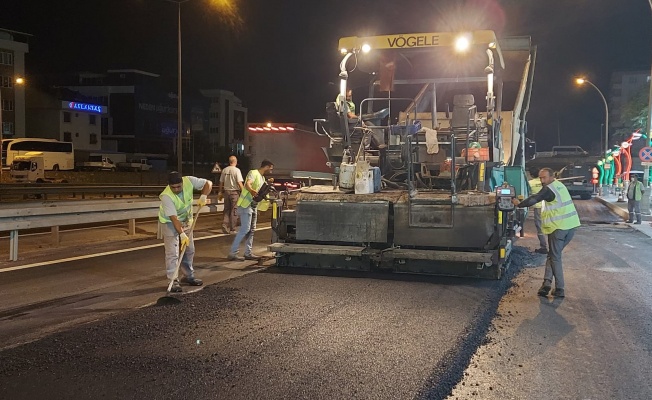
column 559, row 213
column 183, row 207
column 246, row 198
column 536, row 186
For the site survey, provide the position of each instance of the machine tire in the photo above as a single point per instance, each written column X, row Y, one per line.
column 55, row 167
column 112, row 169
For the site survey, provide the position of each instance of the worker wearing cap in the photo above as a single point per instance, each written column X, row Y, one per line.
column 175, row 216
column 559, row 220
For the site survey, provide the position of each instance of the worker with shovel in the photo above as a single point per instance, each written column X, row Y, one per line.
column 175, row 216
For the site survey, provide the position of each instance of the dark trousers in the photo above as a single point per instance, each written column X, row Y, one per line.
column 634, row 208
column 231, row 209
column 557, row 241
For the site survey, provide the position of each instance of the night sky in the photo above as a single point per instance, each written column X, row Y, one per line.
column 281, row 58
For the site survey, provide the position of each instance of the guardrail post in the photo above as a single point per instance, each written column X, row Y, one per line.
column 13, row 246
column 132, row 226
column 55, row 235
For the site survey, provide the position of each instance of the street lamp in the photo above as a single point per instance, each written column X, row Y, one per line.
column 228, row 7
column 179, row 121
column 18, row 81
column 581, row 81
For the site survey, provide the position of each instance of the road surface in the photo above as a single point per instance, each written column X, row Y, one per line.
column 276, row 334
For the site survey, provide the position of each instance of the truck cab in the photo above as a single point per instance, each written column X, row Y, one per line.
column 568, row 151
column 28, row 168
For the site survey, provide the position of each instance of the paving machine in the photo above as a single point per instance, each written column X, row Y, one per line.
column 423, row 180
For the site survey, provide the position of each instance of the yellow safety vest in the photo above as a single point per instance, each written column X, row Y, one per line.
column 638, row 191
column 559, row 213
column 246, row 198
column 183, row 206
column 535, row 186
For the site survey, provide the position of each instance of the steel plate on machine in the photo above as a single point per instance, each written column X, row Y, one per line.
column 335, row 221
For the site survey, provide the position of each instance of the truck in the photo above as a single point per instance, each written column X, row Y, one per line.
column 97, row 162
column 563, row 151
column 135, row 165
column 573, row 167
column 297, row 152
column 422, row 188
column 30, row 168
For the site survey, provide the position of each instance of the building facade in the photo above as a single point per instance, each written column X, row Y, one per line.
column 62, row 114
column 13, row 47
column 227, row 122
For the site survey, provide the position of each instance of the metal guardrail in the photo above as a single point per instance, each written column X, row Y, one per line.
column 45, row 189
column 53, row 215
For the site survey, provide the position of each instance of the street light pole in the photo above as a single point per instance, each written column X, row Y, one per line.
column 581, row 81
column 179, row 113
column 606, row 113
column 179, row 108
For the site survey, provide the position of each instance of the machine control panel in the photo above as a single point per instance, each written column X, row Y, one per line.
column 504, row 197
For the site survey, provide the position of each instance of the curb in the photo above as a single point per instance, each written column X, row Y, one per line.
column 618, row 210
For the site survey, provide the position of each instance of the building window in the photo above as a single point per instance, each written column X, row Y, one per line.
column 6, row 81
column 67, row 137
column 66, row 116
column 7, row 128
column 92, row 139
column 7, row 105
column 6, row 58
column 633, row 79
column 91, row 119
column 77, row 134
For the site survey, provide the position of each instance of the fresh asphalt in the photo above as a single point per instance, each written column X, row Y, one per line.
column 271, row 334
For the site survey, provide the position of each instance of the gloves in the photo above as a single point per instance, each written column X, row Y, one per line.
column 202, row 201
column 185, row 240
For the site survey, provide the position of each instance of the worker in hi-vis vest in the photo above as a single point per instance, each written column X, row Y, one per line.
column 535, row 187
column 248, row 212
column 175, row 216
column 635, row 193
column 559, row 220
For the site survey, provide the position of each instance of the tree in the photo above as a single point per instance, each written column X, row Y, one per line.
column 633, row 114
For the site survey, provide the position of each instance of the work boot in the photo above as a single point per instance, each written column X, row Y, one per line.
column 252, row 257
column 192, row 281
column 637, row 223
column 176, row 288
column 541, row 251
column 558, row 292
column 543, row 290
column 235, row 257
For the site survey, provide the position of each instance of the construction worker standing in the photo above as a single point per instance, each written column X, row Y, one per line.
column 634, row 195
column 535, row 187
column 248, row 212
column 175, row 216
column 559, row 220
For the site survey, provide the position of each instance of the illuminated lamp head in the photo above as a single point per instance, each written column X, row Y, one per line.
column 462, row 43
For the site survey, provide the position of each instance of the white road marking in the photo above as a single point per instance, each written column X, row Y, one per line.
column 106, row 253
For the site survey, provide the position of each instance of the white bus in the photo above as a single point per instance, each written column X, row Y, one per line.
column 56, row 155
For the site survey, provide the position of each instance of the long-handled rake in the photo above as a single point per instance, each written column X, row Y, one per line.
column 183, row 251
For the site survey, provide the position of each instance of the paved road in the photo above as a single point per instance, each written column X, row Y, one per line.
column 280, row 335
column 594, row 344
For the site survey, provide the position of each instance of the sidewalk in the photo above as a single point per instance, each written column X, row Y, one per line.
column 620, row 208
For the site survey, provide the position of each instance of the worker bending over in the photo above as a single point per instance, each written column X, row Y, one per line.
column 175, row 216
